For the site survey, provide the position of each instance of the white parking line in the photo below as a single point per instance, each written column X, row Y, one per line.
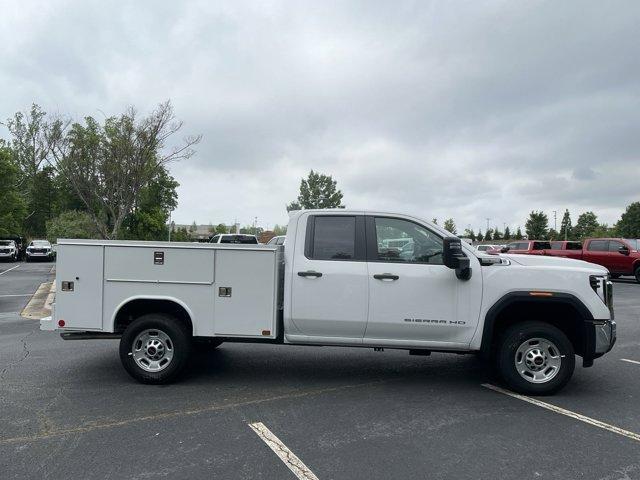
column 630, row 361
column 299, row 469
column 568, row 413
column 12, row 268
column 17, row 295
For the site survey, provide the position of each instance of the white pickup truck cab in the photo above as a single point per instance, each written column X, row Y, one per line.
column 339, row 281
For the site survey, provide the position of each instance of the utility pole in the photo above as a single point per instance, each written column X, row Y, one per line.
column 488, row 219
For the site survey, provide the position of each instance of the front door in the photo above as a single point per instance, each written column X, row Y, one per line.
column 412, row 295
column 619, row 262
column 330, row 288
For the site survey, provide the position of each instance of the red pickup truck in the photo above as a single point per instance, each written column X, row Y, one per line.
column 527, row 247
column 619, row 255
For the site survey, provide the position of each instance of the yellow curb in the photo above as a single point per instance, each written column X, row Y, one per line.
column 40, row 304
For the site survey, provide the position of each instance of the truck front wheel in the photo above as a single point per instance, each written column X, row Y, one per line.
column 535, row 358
column 637, row 274
column 155, row 348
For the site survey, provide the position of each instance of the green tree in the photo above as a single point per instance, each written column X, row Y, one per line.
column 150, row 214
column 552, row 234
column 518, row 235
column 450, row 225
column 180, row 235
column 33, row 138
column 12, row 207
column 280, row 229
column 434, row 221
column 603, row 230
column 507, row 233
column 317, row 191
column 109, row 165
column 470, row 234
column 586, row 225
column 566, row 228
column 537, row 225
column 193, row 228
column 71, row 224
column 488, row 235
column 496, row 234
column 629, row 224
column 222, row 228
column 479, row 237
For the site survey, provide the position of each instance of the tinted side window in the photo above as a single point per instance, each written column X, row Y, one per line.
column 541, row 245
column 215, row 239
column 574, row 246
column 556, row 245
column 615, row 246
column 227, row 239
column 599, row 246
column 334, row 238
column 404, row 241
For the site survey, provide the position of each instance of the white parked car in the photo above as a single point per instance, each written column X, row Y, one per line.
column 484, row 248
column 39, row 249
column 8, row 250
column 279, row 240
column 337, row 284
column 234, row 238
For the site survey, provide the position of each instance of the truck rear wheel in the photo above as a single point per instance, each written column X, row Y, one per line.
column 637, row 274
column 535, row 358
column 155, row 348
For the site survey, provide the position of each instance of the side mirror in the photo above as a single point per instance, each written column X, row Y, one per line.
column 623, row 250
column 454, row 258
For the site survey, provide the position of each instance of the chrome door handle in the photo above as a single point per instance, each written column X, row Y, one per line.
column 385, row 276
column 310, row 273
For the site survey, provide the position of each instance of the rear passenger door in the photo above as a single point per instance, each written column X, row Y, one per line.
column 597, row 251
column 330, row 291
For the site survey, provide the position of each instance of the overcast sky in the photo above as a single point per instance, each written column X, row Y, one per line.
column 441, row 109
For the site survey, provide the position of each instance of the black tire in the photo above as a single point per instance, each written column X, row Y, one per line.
column 179, row 343
column 515, row 337
column 637, row 274
column 615, row 275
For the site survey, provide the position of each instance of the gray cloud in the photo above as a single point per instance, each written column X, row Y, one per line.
column 462, row 109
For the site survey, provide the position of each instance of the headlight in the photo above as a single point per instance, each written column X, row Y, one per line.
column 602, row 285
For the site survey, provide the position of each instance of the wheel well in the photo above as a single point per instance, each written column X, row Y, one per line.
column 135, row 308
column 564, row 316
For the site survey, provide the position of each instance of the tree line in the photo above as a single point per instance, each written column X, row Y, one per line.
column 90, row 179
column 537, row 227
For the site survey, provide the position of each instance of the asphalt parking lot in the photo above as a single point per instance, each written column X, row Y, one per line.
column 68, row 410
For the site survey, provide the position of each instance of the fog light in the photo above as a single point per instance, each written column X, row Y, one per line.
column 61, row 323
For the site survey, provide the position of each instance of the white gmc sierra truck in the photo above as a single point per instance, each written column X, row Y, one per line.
column 343, row 278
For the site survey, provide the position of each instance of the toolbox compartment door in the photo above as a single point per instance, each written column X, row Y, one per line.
column 79, row 303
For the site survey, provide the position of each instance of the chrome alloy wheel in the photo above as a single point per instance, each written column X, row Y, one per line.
column 538, row 360
column 152, row 350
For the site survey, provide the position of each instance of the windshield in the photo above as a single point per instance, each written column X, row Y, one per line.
column 39, row 243
column 6, row 242
column 633, row 243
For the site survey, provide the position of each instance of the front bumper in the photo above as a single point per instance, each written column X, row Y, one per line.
column 605, row 336
column 599, row 338
column 8, row 254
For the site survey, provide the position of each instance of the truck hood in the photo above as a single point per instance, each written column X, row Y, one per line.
column 544, row 261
